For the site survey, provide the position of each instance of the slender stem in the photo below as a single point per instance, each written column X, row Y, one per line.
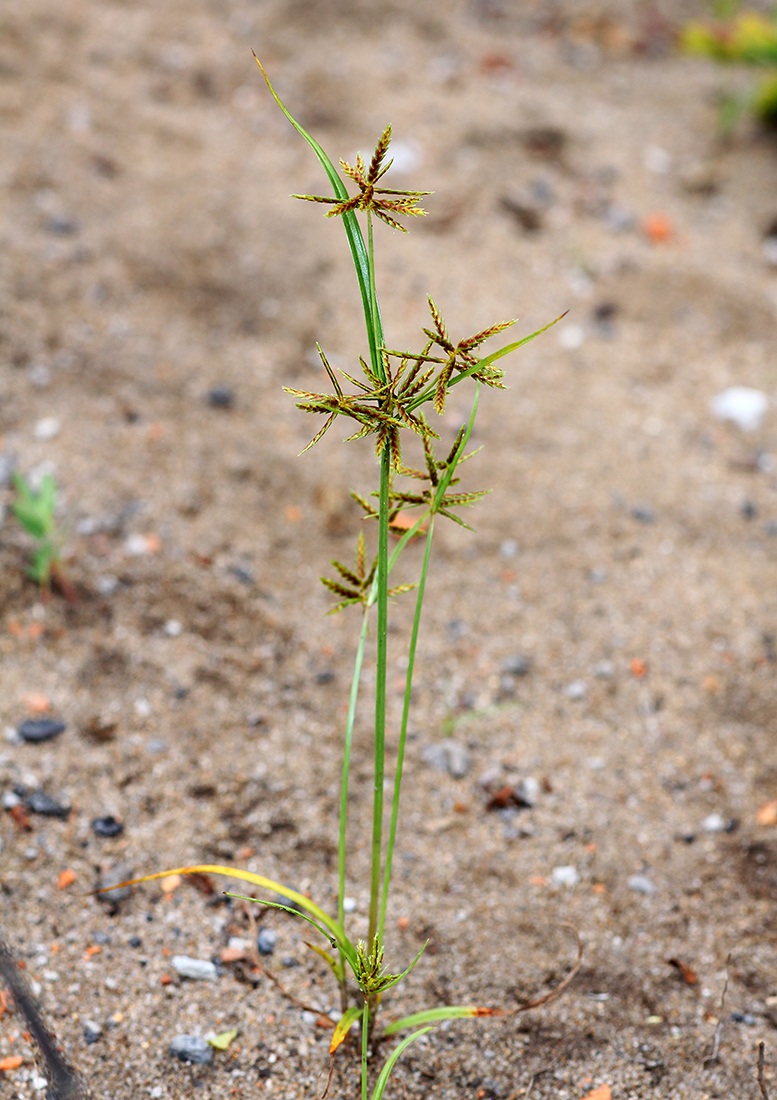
column 403, row 729
column 380, row 693
column 357, row 671
column 377, row 358
column 365, row 1040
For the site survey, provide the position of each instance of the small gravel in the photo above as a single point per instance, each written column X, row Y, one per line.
column 191, row 1049
column 199, row 970
column 36, row 730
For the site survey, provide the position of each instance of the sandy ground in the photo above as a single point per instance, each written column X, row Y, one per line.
column 149, row 253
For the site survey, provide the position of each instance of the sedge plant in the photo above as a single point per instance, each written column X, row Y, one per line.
column 392, row 398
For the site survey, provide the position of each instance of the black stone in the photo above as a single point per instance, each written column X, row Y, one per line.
column 221, row 397
column 107, row 826
column 35, row 730
column 38, row 802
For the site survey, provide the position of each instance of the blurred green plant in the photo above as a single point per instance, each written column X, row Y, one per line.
column 747, row 37
column 36, row 512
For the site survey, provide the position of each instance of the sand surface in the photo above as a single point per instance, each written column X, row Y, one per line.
column 149, row 252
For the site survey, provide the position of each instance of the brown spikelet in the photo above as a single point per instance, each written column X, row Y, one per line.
column 360, row 551
column 481, row 337
column 377, row 157
column 442, row 387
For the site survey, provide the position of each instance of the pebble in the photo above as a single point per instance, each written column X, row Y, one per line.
column 571, row 337
column 266, row 939
column 605, row 670
column 643, row 515
column 135, row 941
column 744, row 406
column 101, row 938
column 38, row 802
column 450, row 756
column 199, row 970
column 9, row 800
column 61, row 226
column 46, row 429
column 744, row 1018
column 517, row 665
column 714, row 823
column 92, row 1032
column 192, row 1049
column 36, row 730
column 111, row 878
column 509, row 548
column 173, row 628
column 7, row 466
column 221, row 397
column 527, row 791
column 350, row 905
column 576, row 690
column 565, row 876
column 641, row 884
column 107, row 826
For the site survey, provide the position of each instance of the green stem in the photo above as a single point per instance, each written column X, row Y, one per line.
column 380, row 693
column 365, row 1040
column 357, row 671
column 403, row 730
column 377, row 358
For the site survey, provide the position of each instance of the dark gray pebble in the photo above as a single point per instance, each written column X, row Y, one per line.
column 135, row 941
column 517, row 665
column 744, row 1018
column 242, row 573
column 107, row 826
column 643, row 515
column 111, row 878
column 191, row 1048
column 326, row 676
column 61, row 226
column 38, row 802
column 101, row 938
column 221, row 397
column 289, row 962
column 36, row 730
column 748, row 510
column 266, row 939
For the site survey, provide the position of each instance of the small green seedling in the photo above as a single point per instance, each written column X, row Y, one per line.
column 391, row 399
column 35, row 511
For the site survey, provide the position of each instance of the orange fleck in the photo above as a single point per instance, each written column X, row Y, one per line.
column 603, row 1092
column 153, row 543
column 245, row 853
column 711, row 685
column 21, row 818
column 293, row 514
column 658, row 229
column 155, row 431
column 92, row 949
column 327, row 650
column 638, row 667
column 271, row 1018
column 35, row 630
column 170, row 883
column 591, row 847
column 538, row 880
column 767, row 814
column 232, row 954
column 460, row 808
column 403, row 521
column 507, row 576
column 15, row 628
column 403, row 923
column 36, row 703
column 599, row 888
column 165, row 979
column 66, row 878
column 481, row 1094
column 55, row 948
column 12, row 1061
column 166, row 952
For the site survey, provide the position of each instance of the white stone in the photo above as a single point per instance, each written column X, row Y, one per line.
column 47, row 428
column 196, row 969
column 173, row 628
column 571, row 337
column 565, row 876
column 744, row 406
column 713, row 823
